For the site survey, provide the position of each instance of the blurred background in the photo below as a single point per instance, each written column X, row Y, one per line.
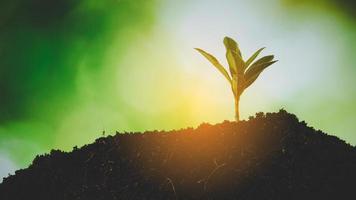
column 71, row 69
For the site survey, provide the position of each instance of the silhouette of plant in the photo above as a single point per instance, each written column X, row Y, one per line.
column 242, row 73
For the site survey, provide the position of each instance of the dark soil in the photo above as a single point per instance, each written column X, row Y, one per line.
column 272, row 156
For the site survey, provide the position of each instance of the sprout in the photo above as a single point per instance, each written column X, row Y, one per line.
column 242, row 73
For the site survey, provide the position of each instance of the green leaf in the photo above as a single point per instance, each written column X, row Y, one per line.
column 250, row 81
column 257, row 68
column 232, row 45
column 234, row 85
column 253, row 57
column 231, row 60
column 233, row 56
column 215, row 62
column 254, row 71
column 263, row 60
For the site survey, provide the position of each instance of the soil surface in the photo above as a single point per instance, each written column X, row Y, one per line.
column 270, row 156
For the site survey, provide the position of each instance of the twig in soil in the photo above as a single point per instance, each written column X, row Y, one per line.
column 207, row 179
column 90, row 157
column 174, row 189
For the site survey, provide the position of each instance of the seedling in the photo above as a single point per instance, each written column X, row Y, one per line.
column 242, row 73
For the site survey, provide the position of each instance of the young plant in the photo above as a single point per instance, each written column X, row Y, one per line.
column 242, row 73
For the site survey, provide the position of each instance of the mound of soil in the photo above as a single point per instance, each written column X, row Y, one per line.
column 272, row 156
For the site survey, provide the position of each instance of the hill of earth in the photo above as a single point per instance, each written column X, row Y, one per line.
column 270, row 156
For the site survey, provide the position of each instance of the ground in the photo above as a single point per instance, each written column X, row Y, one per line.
column 270, row 156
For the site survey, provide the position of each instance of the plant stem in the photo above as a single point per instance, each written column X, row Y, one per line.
column 237, row 112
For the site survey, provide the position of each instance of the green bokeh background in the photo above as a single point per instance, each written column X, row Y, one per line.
column 70, row 69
